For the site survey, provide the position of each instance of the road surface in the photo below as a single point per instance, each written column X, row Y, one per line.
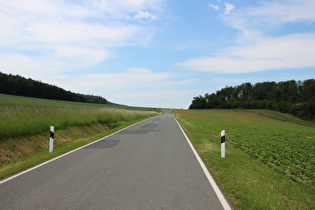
column 149, row 165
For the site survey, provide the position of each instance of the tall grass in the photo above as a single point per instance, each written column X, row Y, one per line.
column 18, row 121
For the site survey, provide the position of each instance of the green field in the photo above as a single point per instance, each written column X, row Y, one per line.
column 269, row 164
column 12, row 100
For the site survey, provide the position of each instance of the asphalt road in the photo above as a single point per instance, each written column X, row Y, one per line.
column 149, row 165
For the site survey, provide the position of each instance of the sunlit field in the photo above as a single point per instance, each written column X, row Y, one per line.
column 269, row 164
column 29, row 120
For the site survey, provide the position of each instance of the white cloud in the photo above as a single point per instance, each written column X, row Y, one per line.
column 145, row 15
column 216, row 7
column 228, row 8
column 229, row 65
column 26, row 66
column 82, row 56
column 287, row 52
column 131, row 78
column 282, row 11
column 84, row 34
column 157, row 98
column 68, row 34
column 21, row 27
column 253, row 21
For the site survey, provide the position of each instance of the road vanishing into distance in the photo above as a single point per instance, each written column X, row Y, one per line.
column 149, row 165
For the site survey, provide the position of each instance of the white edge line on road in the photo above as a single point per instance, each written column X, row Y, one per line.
column 65, row 154
column 214, row 185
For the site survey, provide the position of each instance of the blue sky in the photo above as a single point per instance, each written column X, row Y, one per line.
column 157, row 53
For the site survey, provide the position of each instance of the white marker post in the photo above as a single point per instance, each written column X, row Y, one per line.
column 51, row 141
column 223, row 144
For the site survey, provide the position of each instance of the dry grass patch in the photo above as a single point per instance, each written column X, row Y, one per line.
column 15, row 148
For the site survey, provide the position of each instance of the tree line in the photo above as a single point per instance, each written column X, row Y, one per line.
column 18, row 85
column 293, row 97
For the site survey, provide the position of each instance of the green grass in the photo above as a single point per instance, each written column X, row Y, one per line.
column 12, row 100
column 269, row 163
column 20, row 116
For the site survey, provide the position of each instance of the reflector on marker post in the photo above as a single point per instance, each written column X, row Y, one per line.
column 223, row 144
column 51, row 141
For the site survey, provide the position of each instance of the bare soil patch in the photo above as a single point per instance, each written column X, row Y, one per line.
column 251, row 114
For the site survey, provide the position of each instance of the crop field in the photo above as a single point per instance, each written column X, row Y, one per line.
column 283, row 147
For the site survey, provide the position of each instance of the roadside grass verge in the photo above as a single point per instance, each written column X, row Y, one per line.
column 269, row 164
column 21, row 153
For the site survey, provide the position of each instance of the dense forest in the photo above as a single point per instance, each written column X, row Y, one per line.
column 18, row 85
column 293, row 97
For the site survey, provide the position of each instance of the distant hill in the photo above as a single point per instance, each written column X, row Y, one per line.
column 18, row 85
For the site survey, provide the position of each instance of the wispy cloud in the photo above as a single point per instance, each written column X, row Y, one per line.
column 279, row 12
column 27, row 66
column 216, row 7
column 122, row 9
column 159, row 98
column 228, row 8
column 112, row 82
column 254, row 51
column 271, row 14
column 145, row 15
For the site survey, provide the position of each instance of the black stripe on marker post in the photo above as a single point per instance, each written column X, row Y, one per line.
column 223, row 144
column 51, row 140
column 52, row 133
column 222, row 139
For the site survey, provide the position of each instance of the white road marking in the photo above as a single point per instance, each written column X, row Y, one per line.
column 214, row 185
